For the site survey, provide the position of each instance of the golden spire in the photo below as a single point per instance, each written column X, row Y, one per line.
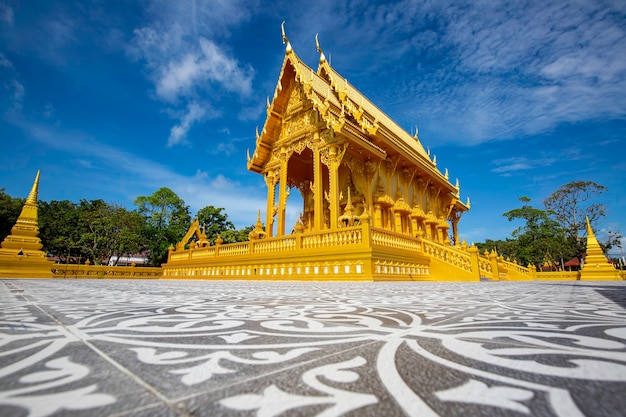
column 24, row 234
column 32, row 196
column 319, row 49
column 590, row 234
column 596, row 265
column 257, row 232
column 288, row 48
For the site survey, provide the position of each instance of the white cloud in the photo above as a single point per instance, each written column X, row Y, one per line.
column 184, row 60
column 473, row 71
column 184, row 77
column 520, row 163
column 226, row 70
column 13, row 89
column 6, row 14
column 193, row 114
column 145, row 176
column 4, row 62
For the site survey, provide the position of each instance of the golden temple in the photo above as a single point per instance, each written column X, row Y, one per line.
column 375, row 205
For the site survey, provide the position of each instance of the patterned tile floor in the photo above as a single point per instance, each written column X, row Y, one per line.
column 206, row 348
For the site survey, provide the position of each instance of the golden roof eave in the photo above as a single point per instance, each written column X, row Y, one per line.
column 333, row 98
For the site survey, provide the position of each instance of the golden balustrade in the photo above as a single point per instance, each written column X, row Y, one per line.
column 389, row 239
column 233, row 249
column 346, row 236
column 448, row 254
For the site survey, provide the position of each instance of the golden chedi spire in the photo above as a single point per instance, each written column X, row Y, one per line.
column 596, row 266
column 20, row 251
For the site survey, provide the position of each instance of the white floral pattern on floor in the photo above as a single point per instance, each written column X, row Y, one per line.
column 310, row 348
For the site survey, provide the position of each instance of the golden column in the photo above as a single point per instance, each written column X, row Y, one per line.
column 270, row 181
column 283, row 192
column 318, row 185
column 333, row 159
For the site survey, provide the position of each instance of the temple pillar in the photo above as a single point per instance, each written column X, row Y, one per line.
column 333, row 156
column 413, row 226
column 270, row 181
column 397, row 216
column 429, row 230
column 318, row 186
column 283, row 193
column 455, row 229
column 378, row 215
column 333, row 186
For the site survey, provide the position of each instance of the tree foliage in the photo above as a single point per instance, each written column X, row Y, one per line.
column 573, row 202
column 234, row 236
column 507, row 248
column 10, row 209
column 167, row 217
column 215, row 223
column 540, row 239
column 108, row 231
column 97, row 231
column 59, row 229
column 91, row 230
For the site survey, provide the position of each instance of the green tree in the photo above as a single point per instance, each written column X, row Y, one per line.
column 571, row 204
column 167, row 219
column 130, row 237
column 109, row 231
column 540, row 239
column 59, row 229
column 215, row 222
column 234, row 236
column 10, row 209
column 507, row 248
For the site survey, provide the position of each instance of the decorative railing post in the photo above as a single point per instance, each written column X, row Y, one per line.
column 420, row 240
column 218, row 244
column 474, row 254
column 493, row 258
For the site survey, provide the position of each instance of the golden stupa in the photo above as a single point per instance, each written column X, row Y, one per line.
column 20, row 252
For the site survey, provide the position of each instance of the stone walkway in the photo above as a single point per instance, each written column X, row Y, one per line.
column 207, row 348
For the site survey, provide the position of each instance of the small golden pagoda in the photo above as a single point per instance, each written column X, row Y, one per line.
column 596, row 266
column 20, row 252
column 374, row 204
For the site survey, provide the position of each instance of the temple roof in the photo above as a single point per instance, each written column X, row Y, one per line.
column 344, row 109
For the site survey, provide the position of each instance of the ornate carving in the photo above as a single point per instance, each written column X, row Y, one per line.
column 356, row 165
column 299, row 146
column 296, row 99
column 333, row 154
column 271, row 177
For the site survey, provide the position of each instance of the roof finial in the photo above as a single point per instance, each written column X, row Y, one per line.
column 589, row 229
column 32, row 196
column 288, row 48
column 319, row 49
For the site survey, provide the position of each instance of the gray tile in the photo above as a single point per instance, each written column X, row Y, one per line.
column 302, row 348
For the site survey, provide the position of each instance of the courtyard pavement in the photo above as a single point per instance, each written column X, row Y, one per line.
column 216, row 348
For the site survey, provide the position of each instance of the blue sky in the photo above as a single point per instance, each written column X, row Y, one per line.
column 115, row 99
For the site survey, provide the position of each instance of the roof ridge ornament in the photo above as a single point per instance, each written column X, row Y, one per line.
column 288, row 48
column 32, row 196
column 319, row 49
